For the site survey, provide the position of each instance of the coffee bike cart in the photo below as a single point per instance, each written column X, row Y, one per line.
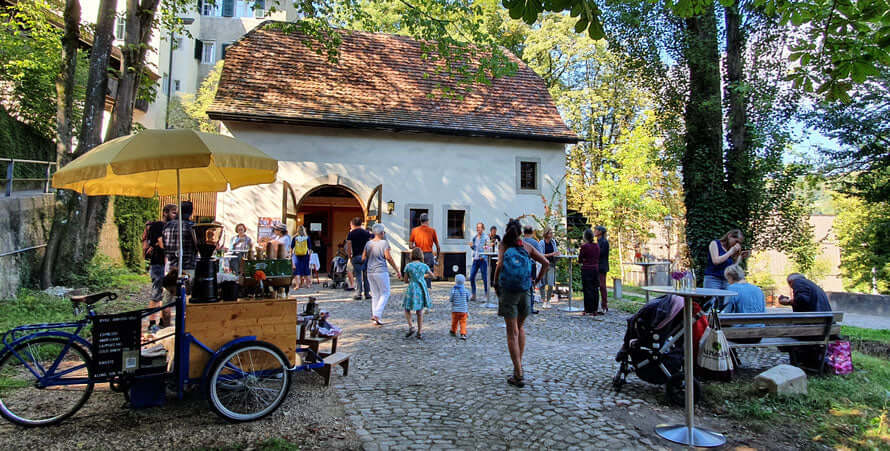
column 48, row 371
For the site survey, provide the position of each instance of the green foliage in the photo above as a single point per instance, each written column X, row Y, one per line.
column 844, row 412
column 191, row 110
column 19, row 140
column 863, row 334
column 33, row 307
column 863, row 234
column 130, row 216
column 862, row 129
column 101, row 273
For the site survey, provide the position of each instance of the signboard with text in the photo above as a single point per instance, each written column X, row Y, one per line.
column 117, row 341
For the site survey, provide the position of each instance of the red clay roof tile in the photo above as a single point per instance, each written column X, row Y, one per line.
column 380, row 81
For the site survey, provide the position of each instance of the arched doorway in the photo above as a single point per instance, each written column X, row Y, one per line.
column 325, row 211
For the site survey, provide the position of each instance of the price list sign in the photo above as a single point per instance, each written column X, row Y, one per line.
column 116, row 343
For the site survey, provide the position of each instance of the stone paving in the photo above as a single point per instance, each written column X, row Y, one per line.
column 444, row 393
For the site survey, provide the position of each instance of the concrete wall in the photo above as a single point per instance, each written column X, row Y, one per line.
column 25, row 221
column 863, row 304
column 437, row 172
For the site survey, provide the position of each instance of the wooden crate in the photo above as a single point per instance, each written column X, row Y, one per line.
column 215, row 324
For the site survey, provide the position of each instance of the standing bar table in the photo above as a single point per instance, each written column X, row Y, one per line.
column 488, row 302
column 646, row 266
column 571, row 259
column 688, row 434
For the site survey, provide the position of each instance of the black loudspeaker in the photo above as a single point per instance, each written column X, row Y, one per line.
column 451, row 260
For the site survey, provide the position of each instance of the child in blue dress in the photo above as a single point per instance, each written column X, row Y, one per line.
column 417, row 297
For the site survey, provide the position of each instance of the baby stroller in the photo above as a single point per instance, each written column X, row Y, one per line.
column 338, row 272
column 653, row 348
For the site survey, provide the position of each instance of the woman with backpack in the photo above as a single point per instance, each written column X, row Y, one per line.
column 301, row 249
column 512, row 283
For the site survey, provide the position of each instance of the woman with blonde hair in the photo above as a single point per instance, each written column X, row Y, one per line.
column 301, row 248
column 720, row 257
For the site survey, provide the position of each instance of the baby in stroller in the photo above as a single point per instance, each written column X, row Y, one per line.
column 653, row 346
column 338, row 272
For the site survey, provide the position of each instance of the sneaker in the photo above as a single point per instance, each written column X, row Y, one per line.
column 367, row 297
column 473, row 298
column 349, row 289
column 357, row 298
column 463, row 337
column 453, row 334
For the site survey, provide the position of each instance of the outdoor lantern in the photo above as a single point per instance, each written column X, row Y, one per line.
column 668, row 220
column 390, row 206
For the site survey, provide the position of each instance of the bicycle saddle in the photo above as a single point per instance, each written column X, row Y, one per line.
column 90, row 299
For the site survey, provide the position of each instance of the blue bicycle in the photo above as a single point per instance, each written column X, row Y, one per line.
column 48, row 371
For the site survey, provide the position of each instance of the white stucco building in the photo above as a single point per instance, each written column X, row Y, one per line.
column 369, row 133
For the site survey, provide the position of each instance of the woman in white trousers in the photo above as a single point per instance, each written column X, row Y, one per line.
column 375, row 256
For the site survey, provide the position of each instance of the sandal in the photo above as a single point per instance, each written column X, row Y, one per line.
column 516, row 381
column 410, row 332
column 419, row 337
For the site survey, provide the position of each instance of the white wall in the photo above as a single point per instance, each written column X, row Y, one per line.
column 475, row 174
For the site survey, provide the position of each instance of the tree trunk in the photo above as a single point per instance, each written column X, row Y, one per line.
column 75, row 232
column 703, row 178
column 740, row 170
column 64, row 130
column 139, row 27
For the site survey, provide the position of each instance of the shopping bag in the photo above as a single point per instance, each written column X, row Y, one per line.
column 840, row 359
column 714, row 359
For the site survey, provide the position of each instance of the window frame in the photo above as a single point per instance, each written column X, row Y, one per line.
column 209, row 9
column 165, row 84
column 212, row 45
column 408, row 208
column 444, row 238
column 120, row 28
column 176, row 86
column 518, row 175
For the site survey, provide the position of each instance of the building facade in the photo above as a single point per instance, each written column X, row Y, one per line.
column 367, row 136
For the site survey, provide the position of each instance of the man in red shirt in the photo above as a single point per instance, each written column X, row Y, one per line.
column 424, row 237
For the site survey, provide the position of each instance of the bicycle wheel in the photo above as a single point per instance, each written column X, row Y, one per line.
column 248, row 381
column 35, row 391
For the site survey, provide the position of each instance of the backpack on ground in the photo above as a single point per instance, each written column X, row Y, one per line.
column 515, row 275
column 301, row 247
column 147, row 247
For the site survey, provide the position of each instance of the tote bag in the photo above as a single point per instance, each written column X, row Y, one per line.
column 714, row 357
column 840, row 359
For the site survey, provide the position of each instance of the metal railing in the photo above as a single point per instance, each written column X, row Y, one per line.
column 10, row 173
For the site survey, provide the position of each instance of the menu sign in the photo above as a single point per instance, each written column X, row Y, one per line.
column 116, row 343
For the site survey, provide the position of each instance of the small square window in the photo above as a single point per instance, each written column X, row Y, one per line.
column 414, row 215
column 176, row 85
column 528, row 175
column 456, row 224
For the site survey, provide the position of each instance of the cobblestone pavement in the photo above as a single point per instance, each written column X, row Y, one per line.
column 444, row 393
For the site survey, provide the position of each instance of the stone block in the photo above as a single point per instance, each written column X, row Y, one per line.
column 783, row 380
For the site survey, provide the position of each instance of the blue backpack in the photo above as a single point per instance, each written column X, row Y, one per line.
column 516, row 274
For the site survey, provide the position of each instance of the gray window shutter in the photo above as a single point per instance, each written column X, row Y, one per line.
column 228, row 8
column 199, row 49
column 200, row 6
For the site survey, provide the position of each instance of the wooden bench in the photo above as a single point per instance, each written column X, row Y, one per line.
column 781, row 329
column 331, row 359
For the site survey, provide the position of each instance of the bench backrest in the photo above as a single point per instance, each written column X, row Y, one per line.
column 776, row 325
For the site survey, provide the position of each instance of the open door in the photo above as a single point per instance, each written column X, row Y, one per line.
column 375, row 205
column 288, row 207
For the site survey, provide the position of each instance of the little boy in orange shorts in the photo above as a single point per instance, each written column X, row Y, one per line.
column 460, row 298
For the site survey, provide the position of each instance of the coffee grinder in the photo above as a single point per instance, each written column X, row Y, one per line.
column 204, row 287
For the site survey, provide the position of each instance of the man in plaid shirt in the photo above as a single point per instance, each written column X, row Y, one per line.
column 171, row 241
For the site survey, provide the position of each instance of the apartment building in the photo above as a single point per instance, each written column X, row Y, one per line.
column 211, row 28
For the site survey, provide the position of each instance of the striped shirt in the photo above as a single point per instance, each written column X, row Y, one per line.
column 460, row 298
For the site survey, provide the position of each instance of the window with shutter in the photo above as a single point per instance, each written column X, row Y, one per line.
column 199, row 49
column 225, row 47
column 228, row 8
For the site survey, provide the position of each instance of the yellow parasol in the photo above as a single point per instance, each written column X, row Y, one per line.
column 164, row 162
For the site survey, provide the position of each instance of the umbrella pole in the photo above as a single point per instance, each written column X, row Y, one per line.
column 179, row 202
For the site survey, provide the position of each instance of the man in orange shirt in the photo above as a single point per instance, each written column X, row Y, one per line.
column 424, row 237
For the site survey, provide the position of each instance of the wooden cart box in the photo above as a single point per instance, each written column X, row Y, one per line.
column 215, row 324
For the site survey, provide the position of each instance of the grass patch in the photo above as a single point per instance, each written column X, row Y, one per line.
column 33, row 307
column 627, row 306
column 848, row 412
column 863, row 334
column 102, row 273
column 272, row 444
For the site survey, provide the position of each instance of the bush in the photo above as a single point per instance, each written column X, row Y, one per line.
column 130, row 216
column 102, row 273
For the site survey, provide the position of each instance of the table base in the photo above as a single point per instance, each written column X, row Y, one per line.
column 700, row 437
column 572, row 309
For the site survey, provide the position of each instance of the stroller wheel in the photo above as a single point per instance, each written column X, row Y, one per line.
column 675, row 390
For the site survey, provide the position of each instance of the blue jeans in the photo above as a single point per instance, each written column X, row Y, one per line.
column 479, row 265
column 717, row 283
column 361, row 277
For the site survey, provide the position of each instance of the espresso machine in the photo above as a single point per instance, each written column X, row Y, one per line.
column 204, row 287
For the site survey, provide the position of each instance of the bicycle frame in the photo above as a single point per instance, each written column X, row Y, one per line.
column 70, row 331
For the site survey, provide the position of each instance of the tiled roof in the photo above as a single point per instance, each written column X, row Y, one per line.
column 380, row 82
